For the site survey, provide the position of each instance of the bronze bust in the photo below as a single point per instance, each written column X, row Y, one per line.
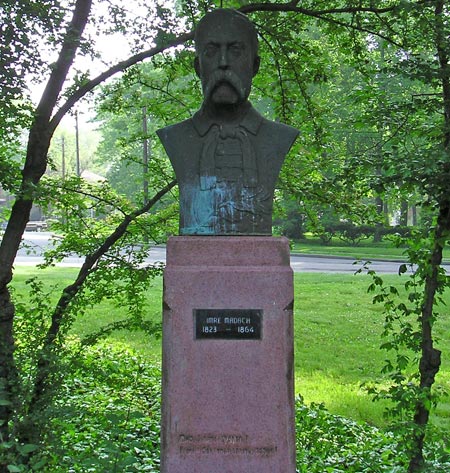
column 227, row 157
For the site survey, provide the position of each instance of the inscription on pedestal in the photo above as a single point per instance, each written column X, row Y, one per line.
column 223, row 444
column 232, row 324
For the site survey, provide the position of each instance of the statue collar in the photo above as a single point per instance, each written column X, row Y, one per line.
column 251, row 121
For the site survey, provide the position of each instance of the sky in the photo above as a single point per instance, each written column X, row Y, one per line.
column 112, row 48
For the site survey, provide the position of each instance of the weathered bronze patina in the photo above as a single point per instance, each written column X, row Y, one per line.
column 227, row 157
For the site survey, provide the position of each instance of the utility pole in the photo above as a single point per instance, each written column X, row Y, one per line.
column 145, row 153
column 77, row 144
column 145, row 162
column 63, row 160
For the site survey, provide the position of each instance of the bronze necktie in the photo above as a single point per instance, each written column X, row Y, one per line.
column 216, row 135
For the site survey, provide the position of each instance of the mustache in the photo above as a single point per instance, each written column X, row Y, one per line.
column 229, row 77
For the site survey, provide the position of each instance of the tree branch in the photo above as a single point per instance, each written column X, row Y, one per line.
column 293, row 7
column 69, row 293
column 65, row 59
column 119, row 67
column 39, row 139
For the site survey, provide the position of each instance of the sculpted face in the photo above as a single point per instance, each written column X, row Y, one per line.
column 226, row 59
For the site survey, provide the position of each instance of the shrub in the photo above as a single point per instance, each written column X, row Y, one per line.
column 327, row 443
column 107, row 416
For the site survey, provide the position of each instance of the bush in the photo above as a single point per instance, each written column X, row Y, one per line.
column 354, row 234
column 107, row 416
column 327, row 443
column 397, row 230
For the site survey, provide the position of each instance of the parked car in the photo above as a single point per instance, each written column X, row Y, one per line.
column 36, row 226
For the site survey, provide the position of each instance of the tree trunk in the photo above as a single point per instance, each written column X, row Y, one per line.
column 414, row 215
column 378, row 235
column 431, row 358
column 35, row 165
column 8, row 372
column 404, row 213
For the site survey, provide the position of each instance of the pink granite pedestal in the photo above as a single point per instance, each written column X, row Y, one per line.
column 228, row 400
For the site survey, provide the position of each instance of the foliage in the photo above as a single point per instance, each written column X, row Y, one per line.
column 119, row 284
column 329, row 443
column 407, row 335
column 22, row 25
column 106, row 417
column 108, row 412
column 288, row 219
column 122, row 107
column 354, row 234
column 109, row 420
column 114, row 269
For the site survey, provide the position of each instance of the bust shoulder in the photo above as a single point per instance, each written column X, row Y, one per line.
column 175, row 132
column 278, row 135
column 181, row 143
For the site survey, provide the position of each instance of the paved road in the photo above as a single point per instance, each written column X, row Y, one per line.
column 306, row 263
column 35, row 243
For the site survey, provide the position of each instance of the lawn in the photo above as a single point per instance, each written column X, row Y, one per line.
column 337, row 338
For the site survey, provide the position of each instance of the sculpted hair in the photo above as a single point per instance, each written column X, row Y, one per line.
column 228, row 14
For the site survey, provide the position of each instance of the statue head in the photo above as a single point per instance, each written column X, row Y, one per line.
column 226, row 61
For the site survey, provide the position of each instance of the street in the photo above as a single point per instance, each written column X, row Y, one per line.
column 34, row 243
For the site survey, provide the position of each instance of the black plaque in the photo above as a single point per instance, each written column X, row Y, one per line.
column 234, row 324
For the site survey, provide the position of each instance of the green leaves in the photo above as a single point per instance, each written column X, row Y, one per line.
column 328, row 443
column 14, row 469
column 27, row 448
column 109, row 418
column 410, row 313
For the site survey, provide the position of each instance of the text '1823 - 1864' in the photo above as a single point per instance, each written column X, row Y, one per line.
column 245, row 324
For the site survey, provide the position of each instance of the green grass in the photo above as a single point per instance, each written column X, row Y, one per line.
column 337, row 338
column 336, row 343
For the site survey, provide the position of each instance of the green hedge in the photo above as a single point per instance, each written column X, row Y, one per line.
column 354, row 234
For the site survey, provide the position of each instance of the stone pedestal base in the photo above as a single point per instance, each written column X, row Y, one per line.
column 228, row 400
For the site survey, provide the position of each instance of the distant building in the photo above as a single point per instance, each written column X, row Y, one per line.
column 92, row 178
